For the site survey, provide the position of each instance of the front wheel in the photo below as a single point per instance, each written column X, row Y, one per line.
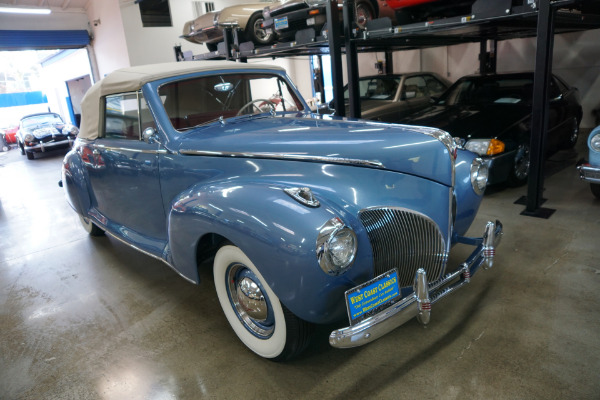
column 520, row 170
column 595, row 187
column 91, row 228
column 253, row 310
column 364, row 12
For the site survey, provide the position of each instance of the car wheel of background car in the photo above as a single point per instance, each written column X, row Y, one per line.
column 364, row 13
column 30, row 155
column 255, row 32
column 21, row 147
column 520, row 171
column 253, row 310
column 595, row 187
column 91, row 228
column 212, row 46
column 572, row 140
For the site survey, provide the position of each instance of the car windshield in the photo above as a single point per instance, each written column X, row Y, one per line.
column 486, row 90
column 376, row 88
column 41, row 120
column 197, row 101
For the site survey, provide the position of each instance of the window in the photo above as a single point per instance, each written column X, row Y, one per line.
column 155, row 13
column 414, row 86
column 121, row 117
column 202, row 7
column 197, row 101
column 434, row 86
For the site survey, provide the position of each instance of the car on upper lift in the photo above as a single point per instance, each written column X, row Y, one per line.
column 44, row 131
column 291, row 16
column 589, row 170
column 208, row 28
column 491, row 113
column 307, row 219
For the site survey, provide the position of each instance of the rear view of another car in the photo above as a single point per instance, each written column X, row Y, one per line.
column 43, row 132
column 589, row 171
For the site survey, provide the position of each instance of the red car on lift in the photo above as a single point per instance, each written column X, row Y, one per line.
column 410, row 11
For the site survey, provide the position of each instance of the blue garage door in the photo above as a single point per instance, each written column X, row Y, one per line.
column 39, row 40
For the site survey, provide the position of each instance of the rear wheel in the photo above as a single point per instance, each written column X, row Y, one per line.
column 595, row 187
column 256, row 33
column 253, row 310
column 364, row 13
column 91, row 228
column 520, row 170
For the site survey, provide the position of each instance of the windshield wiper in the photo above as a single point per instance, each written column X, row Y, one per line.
column 219, row 119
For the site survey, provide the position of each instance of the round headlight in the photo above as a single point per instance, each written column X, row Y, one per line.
column 70, row 130
column 336, row 247
column 595, row 142
column 29, row 137
column 479, row 175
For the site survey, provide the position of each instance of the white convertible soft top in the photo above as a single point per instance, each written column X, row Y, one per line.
column 133, row 78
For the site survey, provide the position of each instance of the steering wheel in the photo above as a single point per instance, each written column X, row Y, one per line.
column 263, row 102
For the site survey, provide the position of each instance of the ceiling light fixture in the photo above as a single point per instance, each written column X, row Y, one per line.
column 13, row 10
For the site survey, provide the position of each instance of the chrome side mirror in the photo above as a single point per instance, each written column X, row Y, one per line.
column 149, row 135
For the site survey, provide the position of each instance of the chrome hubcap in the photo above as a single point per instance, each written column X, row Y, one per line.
column 249, row 301
column 259, row 32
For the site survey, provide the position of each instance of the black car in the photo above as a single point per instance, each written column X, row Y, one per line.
column 492, row 113
column 44, row 131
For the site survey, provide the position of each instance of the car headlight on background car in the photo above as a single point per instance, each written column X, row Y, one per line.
column 479, row 175
column 70, row 130
column 595, row 142
column 28, row 137
column 485, row 147
column 336, row 247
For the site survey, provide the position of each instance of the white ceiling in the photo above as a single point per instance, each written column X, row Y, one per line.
column 66, row 5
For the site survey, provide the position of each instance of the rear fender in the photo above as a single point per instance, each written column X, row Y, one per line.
column 277, row 233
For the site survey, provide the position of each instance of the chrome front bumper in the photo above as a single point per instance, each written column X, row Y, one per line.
column 424, row 295
column 589, row 173
column 43, row 146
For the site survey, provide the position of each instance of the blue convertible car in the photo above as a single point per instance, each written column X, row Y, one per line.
column 310, row 220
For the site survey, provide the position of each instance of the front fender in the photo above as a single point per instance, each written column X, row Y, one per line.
column 277, row 233
column 467, row 201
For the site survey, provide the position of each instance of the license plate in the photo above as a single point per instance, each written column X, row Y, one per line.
column 373, row 296
column 281, row 23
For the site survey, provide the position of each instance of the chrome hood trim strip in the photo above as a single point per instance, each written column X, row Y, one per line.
column 287, row 156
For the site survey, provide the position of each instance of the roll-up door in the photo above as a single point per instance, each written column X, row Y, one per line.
column 38, row 40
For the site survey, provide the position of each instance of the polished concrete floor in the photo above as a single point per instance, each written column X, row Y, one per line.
column 89, row 318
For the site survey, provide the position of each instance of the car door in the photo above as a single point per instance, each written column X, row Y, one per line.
column 123, row 171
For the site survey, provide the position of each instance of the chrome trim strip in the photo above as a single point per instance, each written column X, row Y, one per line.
column 285, row 156
column 401, row 312
column 114, row 148
column 43, row 146
column 150, row 254
column 589, row 173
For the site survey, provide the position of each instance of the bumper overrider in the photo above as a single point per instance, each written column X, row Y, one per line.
column 588, row 172
column 424, row 295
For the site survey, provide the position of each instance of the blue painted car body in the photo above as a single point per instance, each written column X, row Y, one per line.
column 589, row 171
column 173, row 196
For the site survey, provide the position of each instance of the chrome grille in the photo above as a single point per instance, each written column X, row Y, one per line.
column 405, row 240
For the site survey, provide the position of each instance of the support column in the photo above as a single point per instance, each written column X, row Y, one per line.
column 335, row 47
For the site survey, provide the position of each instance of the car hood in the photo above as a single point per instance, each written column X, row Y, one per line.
column 472, row 122
column 407, row 149
column 43, row 130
